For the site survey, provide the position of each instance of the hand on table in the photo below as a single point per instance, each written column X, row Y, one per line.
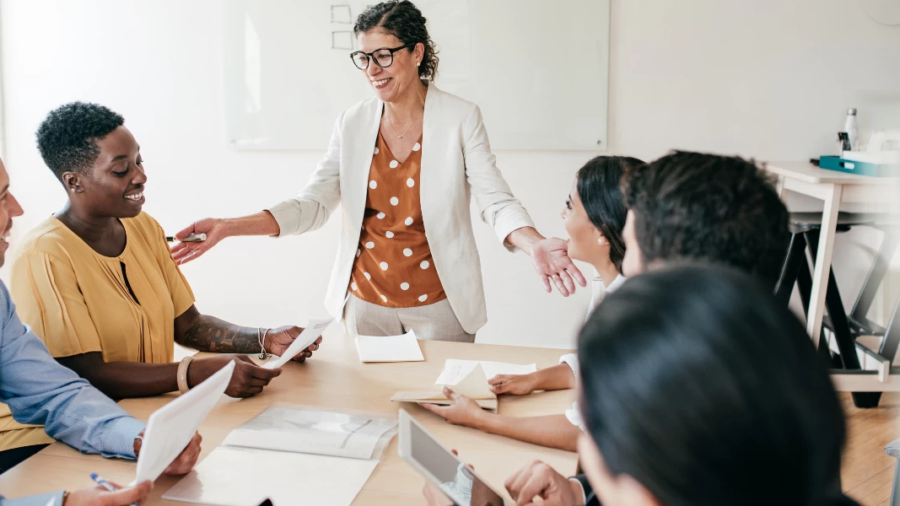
column 99, row 496
column 515, row 384
column 463, row 411
column 278, row 340
column 184, row 462
column 184, row 252
column 540, row 480
column 247, row 380
column 551, row 261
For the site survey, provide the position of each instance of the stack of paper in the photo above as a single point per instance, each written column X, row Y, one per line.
column 469, row 378
column 325, row 457
column 403, row 348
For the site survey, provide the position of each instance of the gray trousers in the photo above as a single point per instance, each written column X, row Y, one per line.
column 434, row 322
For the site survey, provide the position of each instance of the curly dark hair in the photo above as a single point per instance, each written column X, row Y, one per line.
column 67, row 137
column 694, row 206
column 598, row 189
column 403, row 20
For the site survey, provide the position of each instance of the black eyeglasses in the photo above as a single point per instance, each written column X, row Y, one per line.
column 383, row 57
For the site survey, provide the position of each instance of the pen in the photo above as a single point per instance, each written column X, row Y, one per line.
column 103, row 483
column 190, row 238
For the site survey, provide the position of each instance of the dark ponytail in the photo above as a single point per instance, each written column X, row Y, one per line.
column 600, row 194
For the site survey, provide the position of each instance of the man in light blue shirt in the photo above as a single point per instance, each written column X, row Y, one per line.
column 40, row 391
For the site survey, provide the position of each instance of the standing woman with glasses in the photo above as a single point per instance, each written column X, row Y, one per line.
column 403, row 165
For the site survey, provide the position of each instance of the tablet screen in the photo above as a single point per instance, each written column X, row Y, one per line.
column 457, row 481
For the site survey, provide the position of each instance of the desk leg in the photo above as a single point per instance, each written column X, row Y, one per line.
column 832, row 198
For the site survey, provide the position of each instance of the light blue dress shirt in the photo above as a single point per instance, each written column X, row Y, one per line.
column 40, row 391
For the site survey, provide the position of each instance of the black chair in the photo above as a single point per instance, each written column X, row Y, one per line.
column 805, row 229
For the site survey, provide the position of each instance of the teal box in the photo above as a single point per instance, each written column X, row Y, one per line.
column 861, row 168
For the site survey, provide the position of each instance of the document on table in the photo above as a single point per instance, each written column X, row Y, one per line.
column 241, row 476
column 289, row 429
column 309, row 335
column 291, row 455
column 171, row 427
column 403, row 348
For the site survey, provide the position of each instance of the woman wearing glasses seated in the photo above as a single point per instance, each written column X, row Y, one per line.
column 403, row 165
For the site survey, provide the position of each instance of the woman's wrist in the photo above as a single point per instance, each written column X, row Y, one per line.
column 524, row 238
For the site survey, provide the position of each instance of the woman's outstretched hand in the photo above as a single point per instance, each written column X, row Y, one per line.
column 184, row 252
column 552, row 263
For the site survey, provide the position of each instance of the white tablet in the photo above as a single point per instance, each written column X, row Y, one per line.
column 441, row 468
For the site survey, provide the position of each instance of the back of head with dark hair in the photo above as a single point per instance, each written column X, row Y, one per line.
column 700, row 386
column 693, row 206
column 599, row 190
column 403, row 20
column 67, row 137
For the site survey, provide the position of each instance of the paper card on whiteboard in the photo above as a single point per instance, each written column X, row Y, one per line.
column 309, row 335
column 171, row 427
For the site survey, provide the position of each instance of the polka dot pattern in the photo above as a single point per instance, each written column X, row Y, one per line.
column 396, row 270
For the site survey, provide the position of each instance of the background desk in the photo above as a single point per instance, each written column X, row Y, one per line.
column 334, row 377
column 876, row 194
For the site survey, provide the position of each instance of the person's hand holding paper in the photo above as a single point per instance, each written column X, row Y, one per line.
column 303, row 343
column 171, row 442
column 279, row 340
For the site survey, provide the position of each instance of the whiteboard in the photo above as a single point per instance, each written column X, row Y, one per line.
column 538, row 69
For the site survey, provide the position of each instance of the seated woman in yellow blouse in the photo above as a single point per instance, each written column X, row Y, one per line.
column 97, row 282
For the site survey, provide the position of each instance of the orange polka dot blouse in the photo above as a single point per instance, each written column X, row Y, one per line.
column 393, row 266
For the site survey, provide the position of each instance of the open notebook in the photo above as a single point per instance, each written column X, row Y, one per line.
column 326, row 456
column 466, row 377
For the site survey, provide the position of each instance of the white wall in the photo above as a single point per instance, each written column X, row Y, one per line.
column 757, row 78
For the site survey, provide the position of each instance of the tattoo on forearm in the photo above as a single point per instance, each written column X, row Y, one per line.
column 213, row 334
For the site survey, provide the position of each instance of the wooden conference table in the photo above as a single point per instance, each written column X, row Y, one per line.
column 334, row 377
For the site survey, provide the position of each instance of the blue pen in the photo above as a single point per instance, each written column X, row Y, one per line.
column 103, row 483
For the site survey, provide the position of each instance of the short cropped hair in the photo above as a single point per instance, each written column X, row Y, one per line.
column 67, row 137
column 701, row 207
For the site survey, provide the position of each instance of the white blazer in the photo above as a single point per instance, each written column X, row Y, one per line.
column 457, row 163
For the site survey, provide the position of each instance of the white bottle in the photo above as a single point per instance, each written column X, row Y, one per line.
column 851, row 128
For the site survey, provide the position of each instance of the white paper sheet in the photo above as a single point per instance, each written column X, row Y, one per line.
column 171, row 427
column 240, row 476
column 287, row 429
column 455, row 370
column 403, row 348
column 309, row 335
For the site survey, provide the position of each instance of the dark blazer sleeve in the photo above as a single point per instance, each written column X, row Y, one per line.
column 588, row 491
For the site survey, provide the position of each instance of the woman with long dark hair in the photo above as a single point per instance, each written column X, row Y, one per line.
column 594, row 216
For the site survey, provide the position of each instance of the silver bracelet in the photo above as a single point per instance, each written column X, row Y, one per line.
column 262, row 343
